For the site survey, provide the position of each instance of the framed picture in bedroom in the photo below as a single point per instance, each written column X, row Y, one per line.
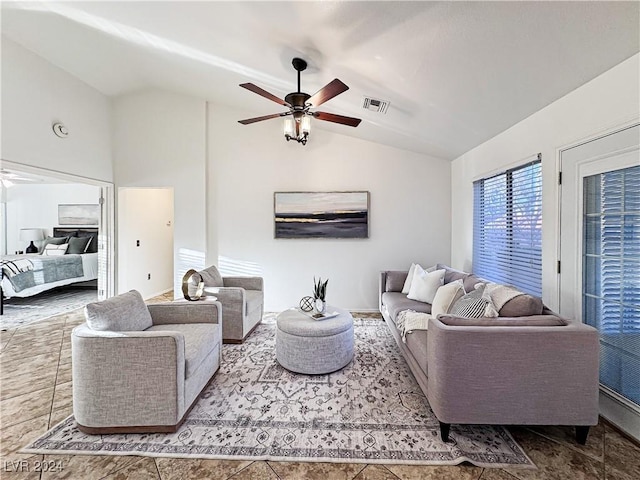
column 321, row 214
column 79, row 214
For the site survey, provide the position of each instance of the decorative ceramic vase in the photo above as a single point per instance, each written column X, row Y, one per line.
column 319, row 305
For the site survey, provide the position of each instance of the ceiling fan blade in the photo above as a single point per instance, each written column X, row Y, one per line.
column 332, row 117
column 256, row 89
column 330, row 90
column 266, row 117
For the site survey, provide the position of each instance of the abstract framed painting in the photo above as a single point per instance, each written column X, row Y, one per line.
column 78, row 214
column 321, row 214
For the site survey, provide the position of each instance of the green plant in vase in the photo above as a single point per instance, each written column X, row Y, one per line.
column 319, row 294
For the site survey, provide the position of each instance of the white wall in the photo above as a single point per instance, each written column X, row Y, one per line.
column 36, row 206
column 409, row 212
column 37, row 94
column 610, row 100
column 159, row 141
column 145, row 240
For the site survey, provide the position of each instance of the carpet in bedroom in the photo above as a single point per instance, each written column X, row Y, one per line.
column 19, row 312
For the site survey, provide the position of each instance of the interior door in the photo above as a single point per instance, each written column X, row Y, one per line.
column 600, row 262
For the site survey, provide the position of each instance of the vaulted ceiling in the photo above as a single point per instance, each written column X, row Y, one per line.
column 455, row 73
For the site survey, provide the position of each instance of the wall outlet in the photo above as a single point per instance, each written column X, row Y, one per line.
column 148, row 276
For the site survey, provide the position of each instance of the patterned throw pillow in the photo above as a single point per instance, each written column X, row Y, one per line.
column 52, row 250
column 476, row 304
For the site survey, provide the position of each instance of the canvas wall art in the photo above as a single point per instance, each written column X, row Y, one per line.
column 78, row 214
column 321, row 214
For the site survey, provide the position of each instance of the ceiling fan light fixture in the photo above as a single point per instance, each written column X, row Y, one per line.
column 297, row 128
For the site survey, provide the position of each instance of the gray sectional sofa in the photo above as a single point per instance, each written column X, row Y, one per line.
column 527, row 366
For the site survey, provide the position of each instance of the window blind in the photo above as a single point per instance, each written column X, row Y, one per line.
column 507, row 227
column 611, row 271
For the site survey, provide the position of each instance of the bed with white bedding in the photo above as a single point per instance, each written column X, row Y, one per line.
column 88, row 270
column 31, row 274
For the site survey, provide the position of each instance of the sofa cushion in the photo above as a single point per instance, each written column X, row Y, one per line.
column 200, row 339
column 451, row 275
column 416, row 342
column 253, row 299
column 211, row 277
column 123, row 313
column 425, row 284
column 532, row 321
column 475, row 304
column 396, row 302
column 522, row 306
column 446, row 296
column 395, row 281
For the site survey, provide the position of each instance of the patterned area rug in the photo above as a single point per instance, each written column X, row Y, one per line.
column 372, row 411
column 19, row 312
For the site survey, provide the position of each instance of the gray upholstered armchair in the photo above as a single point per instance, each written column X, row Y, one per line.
column 139, row 368
column 242, row 300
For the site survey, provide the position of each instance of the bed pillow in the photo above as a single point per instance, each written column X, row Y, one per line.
column 425, row 285
column 123, row 313
column 92, row 244
column 55, row 250
column 77, row 245
column 476, row 304
column 53, row 241
column 446, row 296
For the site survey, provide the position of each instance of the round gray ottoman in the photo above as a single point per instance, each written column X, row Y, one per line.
column 314, row 347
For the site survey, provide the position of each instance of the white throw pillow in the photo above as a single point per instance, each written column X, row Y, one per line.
column 55, row 250
column 425, row 285
column 446, row 296
column 407, row 283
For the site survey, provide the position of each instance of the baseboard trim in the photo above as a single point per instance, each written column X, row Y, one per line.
column 621, row 432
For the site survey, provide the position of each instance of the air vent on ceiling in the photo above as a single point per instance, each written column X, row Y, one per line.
column 375, row 105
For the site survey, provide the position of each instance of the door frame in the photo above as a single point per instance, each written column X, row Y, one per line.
column 623, row 124
column 615, row 408
column 107, row 194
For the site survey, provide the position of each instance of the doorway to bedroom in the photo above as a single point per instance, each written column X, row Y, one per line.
column 55, row 243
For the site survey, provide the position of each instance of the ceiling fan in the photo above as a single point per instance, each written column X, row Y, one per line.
column 298, row 124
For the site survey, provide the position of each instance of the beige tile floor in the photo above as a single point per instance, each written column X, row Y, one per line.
column 35, row 394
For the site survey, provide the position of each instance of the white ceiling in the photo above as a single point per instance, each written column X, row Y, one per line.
column 456, row 73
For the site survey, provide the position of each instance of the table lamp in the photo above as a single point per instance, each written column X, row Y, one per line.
column 31, row 235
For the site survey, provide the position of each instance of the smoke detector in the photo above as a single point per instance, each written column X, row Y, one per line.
column 375, row 105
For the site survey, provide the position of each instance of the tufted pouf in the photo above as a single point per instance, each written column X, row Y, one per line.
column 316, row 347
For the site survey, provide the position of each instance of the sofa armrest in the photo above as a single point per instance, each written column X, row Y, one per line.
column 114, row 371
column 513, row 374
column 233, row 301
column 205, row 311
column 390, row 281
column 248, row 283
